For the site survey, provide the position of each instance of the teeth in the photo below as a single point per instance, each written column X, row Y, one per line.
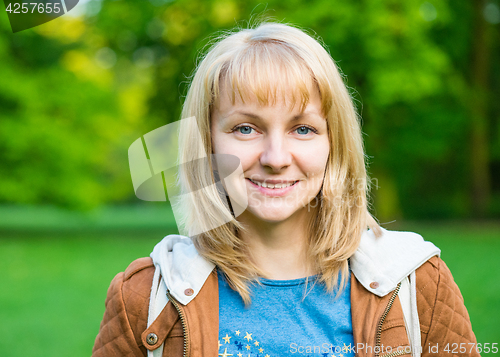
column 257, row 183
column 273, row 186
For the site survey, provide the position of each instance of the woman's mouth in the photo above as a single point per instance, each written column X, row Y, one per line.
column 274, row 186
column 273, row 189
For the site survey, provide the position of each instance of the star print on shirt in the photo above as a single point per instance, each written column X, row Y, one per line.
column 239, row 345
column 235, row 343
column 248, row 336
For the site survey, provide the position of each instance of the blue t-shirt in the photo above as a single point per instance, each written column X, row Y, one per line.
column 281, row 322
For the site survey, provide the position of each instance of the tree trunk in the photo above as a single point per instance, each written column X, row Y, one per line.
column 478, row 100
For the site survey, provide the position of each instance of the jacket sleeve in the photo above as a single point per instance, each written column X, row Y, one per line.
column 125, row 316
column 445, row 323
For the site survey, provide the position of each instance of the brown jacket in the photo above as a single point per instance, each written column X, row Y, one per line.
column 192, row 330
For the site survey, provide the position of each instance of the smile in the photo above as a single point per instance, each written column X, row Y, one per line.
column 274, row 185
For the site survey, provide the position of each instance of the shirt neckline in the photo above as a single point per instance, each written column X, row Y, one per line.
column 288, row 282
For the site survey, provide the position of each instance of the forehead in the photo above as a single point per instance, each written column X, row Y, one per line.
column 267, row 73
column 284, row 103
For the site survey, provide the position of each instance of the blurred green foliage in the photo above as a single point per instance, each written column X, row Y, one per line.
column 77, row 91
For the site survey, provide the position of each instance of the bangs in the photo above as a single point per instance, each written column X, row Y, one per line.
column 269, row 70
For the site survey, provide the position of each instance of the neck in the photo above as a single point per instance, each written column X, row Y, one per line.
column 279, row 248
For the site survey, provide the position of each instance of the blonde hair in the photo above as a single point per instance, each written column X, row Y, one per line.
column 267, row 60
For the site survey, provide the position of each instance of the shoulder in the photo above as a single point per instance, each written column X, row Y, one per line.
column 139, row 266
column 126, row 311
column 436, row 288
column 134, row 274
column 133, row 282
column 136, row 288
column 428, row 277
column 441, row 308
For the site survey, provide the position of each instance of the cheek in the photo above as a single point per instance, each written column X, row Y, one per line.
column 220, row 143
column 314, row 160
column 223, row 144
column 248, row 158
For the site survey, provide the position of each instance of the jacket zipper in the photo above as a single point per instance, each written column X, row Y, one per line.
column 183, row 321
column 379, row 327
column 396, row 353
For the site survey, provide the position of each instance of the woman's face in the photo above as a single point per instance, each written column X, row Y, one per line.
column 283, row 152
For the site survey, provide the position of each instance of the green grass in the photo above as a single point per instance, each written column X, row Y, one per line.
column 53, row 289
column 53, row 285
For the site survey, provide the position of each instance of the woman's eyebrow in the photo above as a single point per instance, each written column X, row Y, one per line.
column 251, row 115
column 255, row 116
column 306, row 114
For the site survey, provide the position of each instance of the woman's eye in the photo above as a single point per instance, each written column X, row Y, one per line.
column 245, row 129
column 303, row 130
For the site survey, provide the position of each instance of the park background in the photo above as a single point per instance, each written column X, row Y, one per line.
column 77, row 91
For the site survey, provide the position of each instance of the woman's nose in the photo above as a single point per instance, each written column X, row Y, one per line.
column 275, row 155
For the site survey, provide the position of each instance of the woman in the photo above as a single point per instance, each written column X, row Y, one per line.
column 296, row 271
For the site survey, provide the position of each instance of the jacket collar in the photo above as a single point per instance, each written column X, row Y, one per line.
column 385, row 261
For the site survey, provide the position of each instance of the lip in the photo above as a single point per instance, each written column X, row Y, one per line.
column 273, row 192
column 273, row 181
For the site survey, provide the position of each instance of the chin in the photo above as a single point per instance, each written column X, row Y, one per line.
column 273, row 219
column 275, row 215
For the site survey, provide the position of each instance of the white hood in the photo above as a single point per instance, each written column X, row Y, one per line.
column 181, row 266
column 389, row 258
column 386, row 260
